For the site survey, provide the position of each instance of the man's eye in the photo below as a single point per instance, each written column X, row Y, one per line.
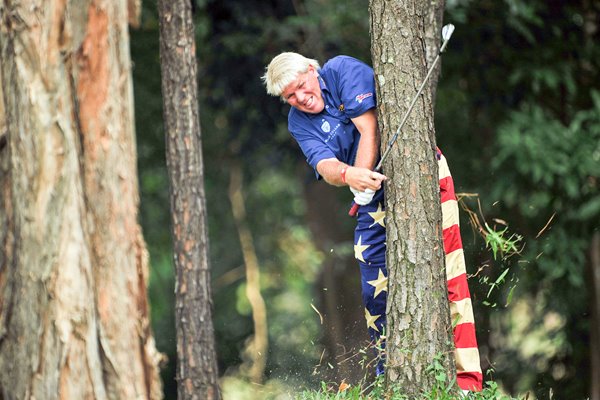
column 301, row 85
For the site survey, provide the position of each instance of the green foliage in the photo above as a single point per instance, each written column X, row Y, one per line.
column 554, row 158
column 443, row 389
column 329, row 392
column 500, row 244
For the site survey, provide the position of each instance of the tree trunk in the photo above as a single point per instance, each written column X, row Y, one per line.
column 433, row 28
column 73, row 306
column 594, row 265
column 196, row 364
column 419, row 326
column 255, row 353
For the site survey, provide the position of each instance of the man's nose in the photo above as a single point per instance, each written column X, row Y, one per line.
column 300, row 97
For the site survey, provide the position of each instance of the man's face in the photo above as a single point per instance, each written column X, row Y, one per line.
column 305, row 93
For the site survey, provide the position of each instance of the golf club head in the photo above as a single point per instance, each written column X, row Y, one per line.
column 447, row 31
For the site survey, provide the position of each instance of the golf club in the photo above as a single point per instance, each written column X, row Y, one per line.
column 447, row 31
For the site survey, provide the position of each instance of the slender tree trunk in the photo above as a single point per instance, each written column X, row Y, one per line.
column 73, row 307
column 255, row 353
column 196, row 364
column 433, row 28
column 6, row 234
column 418, row 314
column 594, row 265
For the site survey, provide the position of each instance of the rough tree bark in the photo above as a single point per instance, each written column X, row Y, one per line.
column 419, row 326
column 73, row 272
column 594, row 284
column 196, row 357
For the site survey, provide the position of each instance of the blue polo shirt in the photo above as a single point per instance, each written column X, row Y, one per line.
column 348, row 90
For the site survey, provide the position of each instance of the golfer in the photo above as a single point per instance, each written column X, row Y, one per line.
column 333, row 118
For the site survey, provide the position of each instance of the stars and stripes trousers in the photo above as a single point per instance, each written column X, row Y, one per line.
column 369, row 250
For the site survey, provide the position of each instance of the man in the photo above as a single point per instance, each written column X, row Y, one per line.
column 333, row 118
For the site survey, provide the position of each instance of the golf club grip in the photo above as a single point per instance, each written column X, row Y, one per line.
column 353, row 210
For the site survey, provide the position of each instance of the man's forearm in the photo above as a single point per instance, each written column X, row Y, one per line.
column 367, row 152
column 368, row 147
column 331, row 171
column 359, row 176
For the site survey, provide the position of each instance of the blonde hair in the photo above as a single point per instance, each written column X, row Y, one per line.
column 284, row 69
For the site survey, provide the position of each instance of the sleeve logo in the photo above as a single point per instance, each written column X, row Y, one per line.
column 363, row 96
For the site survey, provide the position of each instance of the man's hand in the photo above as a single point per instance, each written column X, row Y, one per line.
column 363, row 178
column 357, row 177
column 363, row 198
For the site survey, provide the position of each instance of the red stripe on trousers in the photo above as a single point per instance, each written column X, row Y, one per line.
column 447, row 189
column 464, row 336
column 472, row 381
column 458, row 288
column 451, row 238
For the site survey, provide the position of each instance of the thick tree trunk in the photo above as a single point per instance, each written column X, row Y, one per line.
column 196, row 364
column 74, row 309
column 419, row 326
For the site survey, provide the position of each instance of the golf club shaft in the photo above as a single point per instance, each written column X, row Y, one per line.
column 412, row 105
column 354, row 209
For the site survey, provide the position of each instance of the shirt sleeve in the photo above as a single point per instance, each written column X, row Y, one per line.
column 312, row 146
column 356, row 86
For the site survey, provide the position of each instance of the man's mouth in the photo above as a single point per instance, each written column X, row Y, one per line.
column 309, row 102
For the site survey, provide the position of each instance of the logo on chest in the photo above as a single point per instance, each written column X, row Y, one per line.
column 330, row 131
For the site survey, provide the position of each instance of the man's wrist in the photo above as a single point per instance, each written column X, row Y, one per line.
column 343, row 173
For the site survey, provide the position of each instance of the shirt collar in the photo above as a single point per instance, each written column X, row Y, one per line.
column 322, row 83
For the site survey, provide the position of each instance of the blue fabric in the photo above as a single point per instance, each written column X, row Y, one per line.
column 348, row 89
column 370, row 231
